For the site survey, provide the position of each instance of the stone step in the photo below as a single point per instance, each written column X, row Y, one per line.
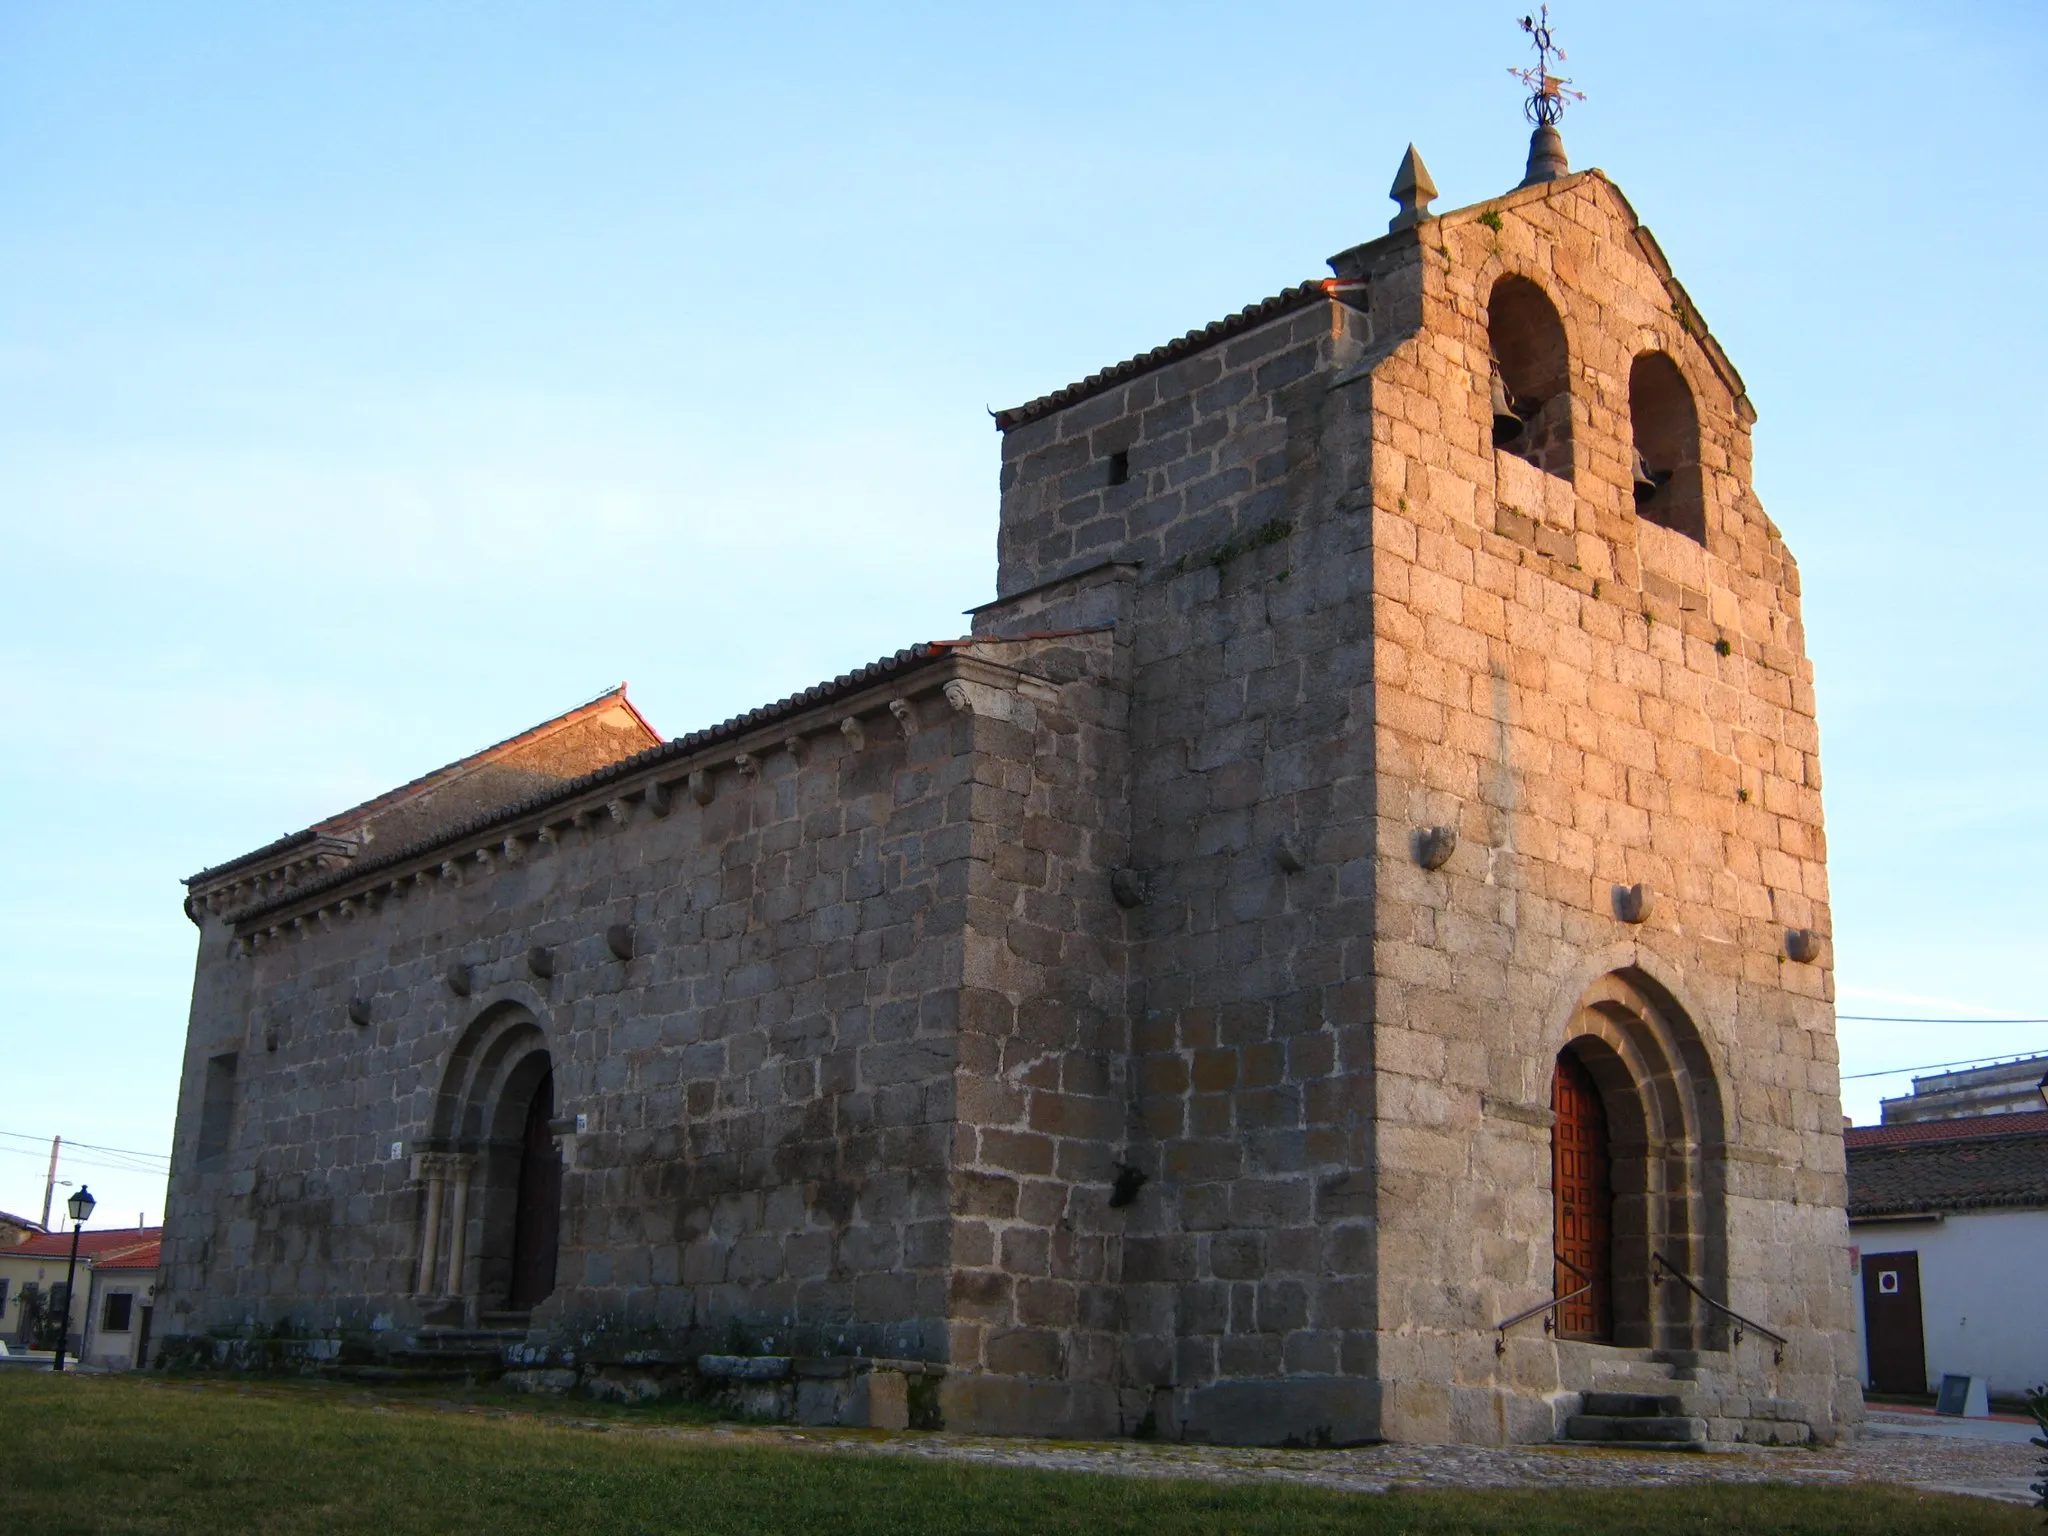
column 1632, row 1405
column 1619, row 1429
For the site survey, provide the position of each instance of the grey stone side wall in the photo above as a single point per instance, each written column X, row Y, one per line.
column 1591, row 701
column 1207, row 446
column 1044, row 1050
column 1248, row 1260
column 769, row 1080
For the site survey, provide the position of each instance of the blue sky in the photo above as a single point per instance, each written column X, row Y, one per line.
column 377, row 380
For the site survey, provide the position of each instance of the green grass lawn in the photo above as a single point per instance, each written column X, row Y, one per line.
column 120, row 1454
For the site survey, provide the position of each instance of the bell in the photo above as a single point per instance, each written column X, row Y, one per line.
column 1507, row 421
column 1648, row 481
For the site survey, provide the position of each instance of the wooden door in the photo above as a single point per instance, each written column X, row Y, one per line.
column 1892, row 1334
column 537, row 1224
column 142, row 1338
column 1582, row 1195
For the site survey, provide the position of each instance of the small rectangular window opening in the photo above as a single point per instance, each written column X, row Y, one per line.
column 120, row 1305
column 1119, row 466
column 217, row 1108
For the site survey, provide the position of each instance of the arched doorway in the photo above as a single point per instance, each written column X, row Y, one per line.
column 1638, row 1169
column 491, row 1175
column 537, row 1216
column 1582, row 1202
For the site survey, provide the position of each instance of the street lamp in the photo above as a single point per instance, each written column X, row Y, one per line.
column 80, row 1205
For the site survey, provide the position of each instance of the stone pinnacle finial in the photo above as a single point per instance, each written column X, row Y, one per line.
column 1413, row 190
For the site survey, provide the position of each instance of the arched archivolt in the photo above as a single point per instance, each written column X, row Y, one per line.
column 491, row 1052
column 1667, row 1141
column 485, row 1166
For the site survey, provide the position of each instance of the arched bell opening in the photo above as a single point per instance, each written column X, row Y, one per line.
column 1670, row 490
column 1531, row 376
column 1636, row 1082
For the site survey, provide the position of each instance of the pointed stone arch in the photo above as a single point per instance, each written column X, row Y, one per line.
column 1666, row 1127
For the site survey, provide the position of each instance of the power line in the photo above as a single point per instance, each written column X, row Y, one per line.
column 1934, row 1066
column 1883, row 1018
column 87, row 1146
column 91, row 1162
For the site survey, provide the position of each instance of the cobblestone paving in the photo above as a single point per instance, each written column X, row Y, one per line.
column 1985, row 1468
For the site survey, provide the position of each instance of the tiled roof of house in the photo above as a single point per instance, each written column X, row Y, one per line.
column 1963, row 1128
column 147, row 1254
column 909, row 659
column 91, row 1245
column 1985, row 1163
column 1245, row 319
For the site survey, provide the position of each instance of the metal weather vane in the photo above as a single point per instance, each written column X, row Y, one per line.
column 1548, row 93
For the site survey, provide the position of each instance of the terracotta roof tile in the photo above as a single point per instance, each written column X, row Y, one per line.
column 910, row 659
column 1958, row 1174
column 1287, row 300
column 1967, row 1127
column 57, row 1245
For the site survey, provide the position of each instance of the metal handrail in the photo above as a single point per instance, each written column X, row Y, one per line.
column 1778, row 1340
column 1500, row 1330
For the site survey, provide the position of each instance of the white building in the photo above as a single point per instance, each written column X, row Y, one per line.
column 1949, row 1222
column 2006, row 1088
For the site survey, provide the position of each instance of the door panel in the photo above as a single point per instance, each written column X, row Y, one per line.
column 1582, row 1194
column 1893, row 1338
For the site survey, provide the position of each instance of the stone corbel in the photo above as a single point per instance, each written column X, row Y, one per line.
column 1802, row 945
column 359, row 1012
column 1435, row 845
column 461, row 979
column 658, row 801
column 906, row 716
column 1632, row 903
column 512, row 850
column 850, row 728
column 619, row 940
column 485, row 860
column 621, row 812
column 548, row 839
column 794, row 746
column 540, row 960
column 973, row 698
column 701, row 787
column 746, row 765
column 450, row 874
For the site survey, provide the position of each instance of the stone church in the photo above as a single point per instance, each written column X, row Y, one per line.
column 1339, row 951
